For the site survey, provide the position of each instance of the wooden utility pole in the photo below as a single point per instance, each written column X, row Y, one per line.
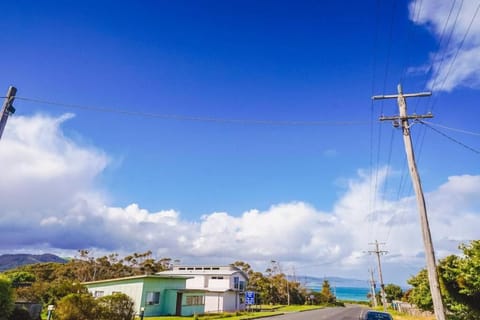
column 7, row 108
column 373, row 286
column 379, row 252
column 402, row 120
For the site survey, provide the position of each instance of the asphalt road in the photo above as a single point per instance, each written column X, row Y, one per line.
column 347, row 313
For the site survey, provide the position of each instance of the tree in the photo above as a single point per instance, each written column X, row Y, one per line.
column 460, row 284
column 327, row 294
column 261, row 285
column 393, row 292
column 118, row 306
column 20, row 277
column 461, row 279
column 77, row 306
column 420, row 295
column 6, row 298
column 245, row 267
column 59, row 289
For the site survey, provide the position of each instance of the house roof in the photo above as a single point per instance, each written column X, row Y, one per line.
column 152, row 276
column 203, row 270
column 220, row 290
column 188, row 290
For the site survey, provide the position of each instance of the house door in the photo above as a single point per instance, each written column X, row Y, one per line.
column 178, row 311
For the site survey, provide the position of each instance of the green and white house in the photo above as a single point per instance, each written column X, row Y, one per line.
column 158, row 295
column 224, row 286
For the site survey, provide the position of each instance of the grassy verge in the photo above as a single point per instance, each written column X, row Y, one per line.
column 401, row 316
column 266, row 312
column 298, row 308
column 276, row 310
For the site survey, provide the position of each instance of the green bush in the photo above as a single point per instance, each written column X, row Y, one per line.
column 77, row 306
column 118, row 306
column 82, row 306
column 6, row 298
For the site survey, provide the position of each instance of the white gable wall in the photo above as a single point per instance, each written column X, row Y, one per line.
column 133, row 290
column 219, row 283
column 214, row 302
column 197, row 282
column 231, row 301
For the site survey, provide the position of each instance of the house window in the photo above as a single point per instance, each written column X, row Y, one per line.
column 194, row 300
column 241, row 287
column 153, row 298
column 236, row 282
column 98, row 294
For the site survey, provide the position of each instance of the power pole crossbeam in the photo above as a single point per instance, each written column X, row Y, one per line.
column 427, row 238
column 410, row 117
column 406, row 95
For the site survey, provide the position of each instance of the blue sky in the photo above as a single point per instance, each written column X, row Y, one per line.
column 311, row 186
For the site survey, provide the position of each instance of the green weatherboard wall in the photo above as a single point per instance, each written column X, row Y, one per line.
column 138, row 287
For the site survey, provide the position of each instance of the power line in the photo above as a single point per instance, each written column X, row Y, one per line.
column 195, row 118
column 438, row 49
column 389, row 49
column 453, row 129
column 430, row 106
column 407, row 55
column 447, row 43
column 450, row 138
column 459, row 48
column 371, row 201
column 379, row 138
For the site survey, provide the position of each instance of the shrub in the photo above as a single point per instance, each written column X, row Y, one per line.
column 77, row 306
column 118, row 306
column 6, row 298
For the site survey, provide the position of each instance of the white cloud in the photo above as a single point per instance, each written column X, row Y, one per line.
column 449, row 21
column 53, row 205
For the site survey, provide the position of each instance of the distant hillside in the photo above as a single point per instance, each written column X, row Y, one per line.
column 314, row 282
column 11, row 261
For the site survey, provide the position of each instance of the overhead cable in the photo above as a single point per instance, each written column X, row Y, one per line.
column 459, row 48
column 452, row 129
column 197, row 118
column 450, row 138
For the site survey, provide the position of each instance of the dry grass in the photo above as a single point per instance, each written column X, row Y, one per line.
column 398, row 316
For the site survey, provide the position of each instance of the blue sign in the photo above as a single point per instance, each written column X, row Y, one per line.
column 249, row 297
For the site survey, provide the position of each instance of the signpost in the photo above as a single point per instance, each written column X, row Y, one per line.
column 249, row 298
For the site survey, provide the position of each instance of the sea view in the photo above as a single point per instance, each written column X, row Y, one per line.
column 343, row 288
column 348, row 293
column 351, row 294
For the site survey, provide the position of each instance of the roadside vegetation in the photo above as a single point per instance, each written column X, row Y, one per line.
column 268, row 310
column 60, row 285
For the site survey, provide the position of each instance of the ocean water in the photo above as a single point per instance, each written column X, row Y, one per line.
column 348, row 293
column 351, row 294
